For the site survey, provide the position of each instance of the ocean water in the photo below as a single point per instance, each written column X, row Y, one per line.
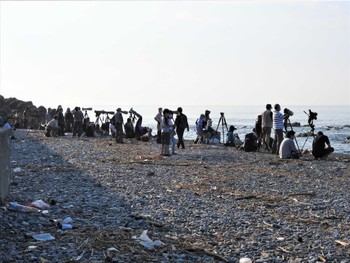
column 334, row 121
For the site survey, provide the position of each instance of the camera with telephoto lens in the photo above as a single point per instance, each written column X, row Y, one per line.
column 222, row 114
column 312, row 116
column 86, row 108
column 99, row 112
column 287, row 113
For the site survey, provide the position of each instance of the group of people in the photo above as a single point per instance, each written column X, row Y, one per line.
column 58, row 123
column 138, row 131
column 271, row 120
column 167, row 128
column 285, row 147
column 204, row 129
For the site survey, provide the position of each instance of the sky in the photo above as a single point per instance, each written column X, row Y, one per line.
column 175, row 52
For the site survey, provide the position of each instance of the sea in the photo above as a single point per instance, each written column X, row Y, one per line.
column 333, row 121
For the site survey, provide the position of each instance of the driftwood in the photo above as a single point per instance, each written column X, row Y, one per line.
column 276, row 197
column 206, row 252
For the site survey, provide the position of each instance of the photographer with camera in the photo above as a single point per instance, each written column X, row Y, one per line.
column 321, row 147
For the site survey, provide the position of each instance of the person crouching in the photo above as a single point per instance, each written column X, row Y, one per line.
column 52, row 128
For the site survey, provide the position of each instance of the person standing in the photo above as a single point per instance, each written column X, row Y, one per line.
column 318, row 146
column 166, row 129
column 181, row 124
column 278, row 121
column 68, row 120
column 60, row 119
column 78, row 121
column 158, row 119
column 26, row 118
column 118, row 118
column 266, row 124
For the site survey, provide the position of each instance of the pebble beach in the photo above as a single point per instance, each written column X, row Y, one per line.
column 206, row 203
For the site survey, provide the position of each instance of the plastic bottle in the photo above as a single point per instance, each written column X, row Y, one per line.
column 23, row 208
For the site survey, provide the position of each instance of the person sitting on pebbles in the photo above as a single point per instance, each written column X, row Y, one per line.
column 9, row 126
column 321, row 147
column 287, row 149
column 232, row 139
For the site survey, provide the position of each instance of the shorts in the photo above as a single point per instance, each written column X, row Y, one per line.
column 166, row 138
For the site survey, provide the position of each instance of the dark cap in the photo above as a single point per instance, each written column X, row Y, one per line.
column 207, row 112
column 290, row 134
column 232, row 128
column 268, row 106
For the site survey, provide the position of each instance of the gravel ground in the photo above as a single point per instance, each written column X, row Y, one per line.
column 207, row 203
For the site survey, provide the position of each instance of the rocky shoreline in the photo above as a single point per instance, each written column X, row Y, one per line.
column 207, row 203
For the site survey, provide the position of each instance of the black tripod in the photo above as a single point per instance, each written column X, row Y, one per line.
column 86, row 115
column 311, row 132
column 98, row 120
column 286, row 123
column 223, row 122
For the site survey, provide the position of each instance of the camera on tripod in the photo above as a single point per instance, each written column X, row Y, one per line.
column 222, row 114
column 287, row 113
column 312, row 116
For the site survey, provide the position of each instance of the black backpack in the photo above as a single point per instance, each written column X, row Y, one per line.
column 250, row 142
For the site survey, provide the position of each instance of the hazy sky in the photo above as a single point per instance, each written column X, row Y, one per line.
column 175, row 52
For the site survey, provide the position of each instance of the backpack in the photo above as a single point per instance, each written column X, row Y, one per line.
column 250, row 142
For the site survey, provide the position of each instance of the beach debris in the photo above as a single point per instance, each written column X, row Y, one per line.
column 31, row 248
column 18, row 207
column 345, row 244
column 112, row 252
column 148, row 243
column 43, row 237
column 39, row 204
column 245, row 260
column 65, row 223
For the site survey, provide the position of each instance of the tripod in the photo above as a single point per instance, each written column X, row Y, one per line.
column 98, row 119
column 286, row 122
column 223, row 122
column 311, row 132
